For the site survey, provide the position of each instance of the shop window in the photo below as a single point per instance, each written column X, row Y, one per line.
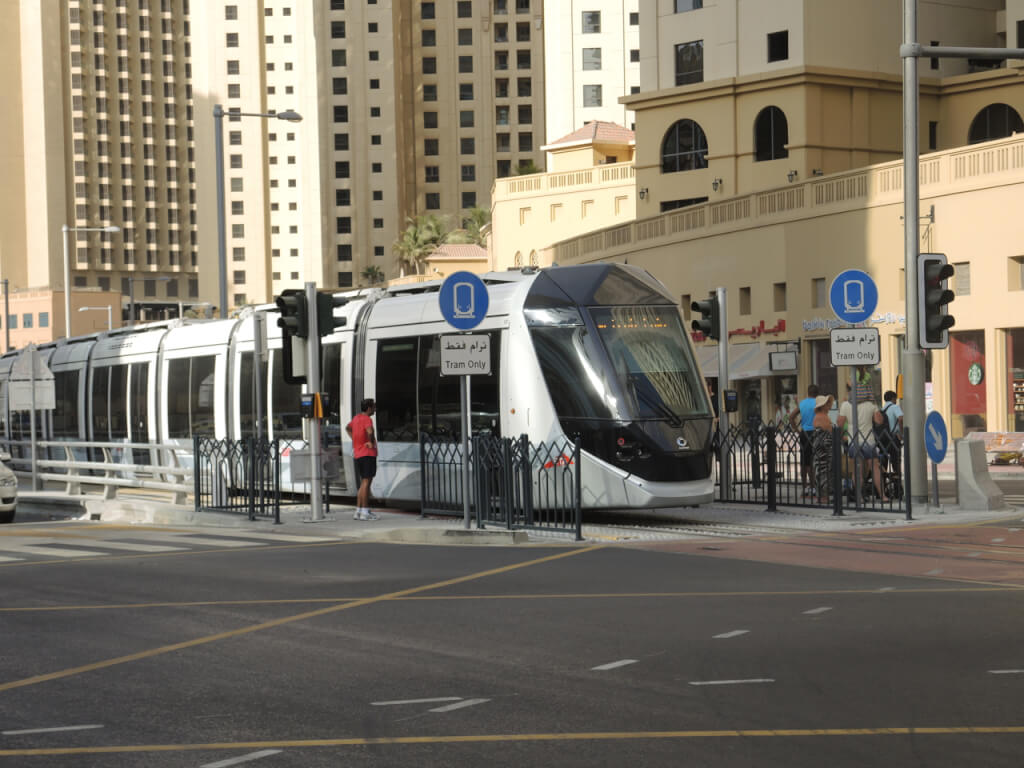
column 779, row 297
column 1015, row 370
column 968, row 371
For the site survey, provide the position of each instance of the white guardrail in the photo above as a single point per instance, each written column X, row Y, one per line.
column 111, row 466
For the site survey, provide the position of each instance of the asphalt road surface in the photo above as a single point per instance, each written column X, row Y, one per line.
column 893, row 647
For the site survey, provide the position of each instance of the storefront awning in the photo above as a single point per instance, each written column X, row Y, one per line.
column 746, row 361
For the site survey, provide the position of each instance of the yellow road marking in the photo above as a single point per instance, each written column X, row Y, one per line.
column 525, row 737
column 538, row 596
column 36, row 679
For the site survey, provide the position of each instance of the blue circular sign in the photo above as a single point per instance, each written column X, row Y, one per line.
column 463, row 300
column 853, row 296
column 936, row 440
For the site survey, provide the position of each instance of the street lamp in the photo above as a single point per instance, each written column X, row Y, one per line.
column 131, row 293
column 110, row 319
column 290, row 116
column 67, row 268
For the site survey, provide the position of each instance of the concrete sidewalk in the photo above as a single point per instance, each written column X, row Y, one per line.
column 719, row 519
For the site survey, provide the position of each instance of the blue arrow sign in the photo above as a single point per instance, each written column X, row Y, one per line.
column 853, row 296
column 936, row 440
column 463, row 300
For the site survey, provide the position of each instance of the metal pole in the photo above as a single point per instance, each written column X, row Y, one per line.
column 913, row 357
column 110, row 318
column 259, row 320
column 32, row 417
column 935, row 484
column 67, row 289
column 464, row 389
column 222, row 252
column 313, row 387
column 131, row 301
column 723, row 382
column 7, row 316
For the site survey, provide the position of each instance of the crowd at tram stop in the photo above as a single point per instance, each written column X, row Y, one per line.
column 874, row 439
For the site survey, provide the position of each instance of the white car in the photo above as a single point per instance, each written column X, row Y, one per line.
column 8, row 490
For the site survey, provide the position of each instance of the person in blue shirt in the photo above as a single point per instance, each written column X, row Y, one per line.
column 803, row 417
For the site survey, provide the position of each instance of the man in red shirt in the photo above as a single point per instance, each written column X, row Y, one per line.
column 364, row 449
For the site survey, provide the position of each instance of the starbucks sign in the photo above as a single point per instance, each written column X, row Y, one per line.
column 975, row 374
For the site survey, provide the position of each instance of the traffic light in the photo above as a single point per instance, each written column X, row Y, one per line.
column 934, row 320
column 709, row 320
column 294, row 318
column 294, row 324
column 326, row 322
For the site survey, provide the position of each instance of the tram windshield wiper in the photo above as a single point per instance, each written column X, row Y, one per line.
column 656, row 403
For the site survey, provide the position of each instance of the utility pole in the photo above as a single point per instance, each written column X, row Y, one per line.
column 913, row 356
column 316, row 509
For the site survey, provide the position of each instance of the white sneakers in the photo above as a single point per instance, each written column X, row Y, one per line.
column 363, row 513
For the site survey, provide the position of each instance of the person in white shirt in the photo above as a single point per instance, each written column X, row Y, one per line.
column 861, row 441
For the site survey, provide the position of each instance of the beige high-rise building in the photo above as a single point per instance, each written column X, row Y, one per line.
column 407, row 108
column 98, row 133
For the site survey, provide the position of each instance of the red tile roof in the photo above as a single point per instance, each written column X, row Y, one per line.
column 598, row 132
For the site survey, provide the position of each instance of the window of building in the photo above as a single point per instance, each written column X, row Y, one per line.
column 430, row 147
column 231, row 40
column 339, row 57
column 340, row 113
column 375, row 111
column 745, row 300
column 464, row 9
column 634, row 54
column 429, row 38
column 427, row 11
column 818, row 297
column 995, row 121
column 344, row 279
column 771, row 134
column 501, row 60
column 341, row 141
column 376, row 168
column 634, row 19
column 337, row 30
column 469, row 173
column 501, row 33
column 469, row 199
column 429, row 65
column 465, row 91
column 342, row 197
column 591, row 95
column 526, row 141
column 1020, row 33
column 501, row 115
column 430, row 119
column 343, row 224
column 501, row 88
column 591, row 22
column 374, row 55
column 429, row 92
column 378, row 250
column 778, row 45
column 933, row 134
column 503, row 142
column 233, row 67
column 26, row 320
column 378, row 223
column 465, row 64
column 378, row 194
column 1015, row 274
column 591, row 58
column 779, row 297
column 523, row 32
column 466, row 118
column 466, row 36
column 345, row 252
column 684, row 148
column 374, row 84
column 504, row 168
column 372, row 27
column 341, row 169
column 467, row 146
column 340, row 86
column 523, row 60
column 432, row 174
column 524, row 87
column 433, row 201
column 682, row 6
column 690, row 62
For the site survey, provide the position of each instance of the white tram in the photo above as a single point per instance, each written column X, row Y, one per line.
column 595, row 350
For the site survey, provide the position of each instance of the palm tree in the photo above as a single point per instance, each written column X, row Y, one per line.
column 421, row 238
column 372, row 274
column 527, row 168
column 475, row 224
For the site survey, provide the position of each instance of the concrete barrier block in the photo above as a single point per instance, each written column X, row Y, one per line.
column 975, row 488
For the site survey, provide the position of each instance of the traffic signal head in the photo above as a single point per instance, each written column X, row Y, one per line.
column 326, row 322
column 294, row 320
column 709, row 319
column 934, row 320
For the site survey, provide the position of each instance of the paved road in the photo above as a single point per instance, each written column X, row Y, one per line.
column 344, row 653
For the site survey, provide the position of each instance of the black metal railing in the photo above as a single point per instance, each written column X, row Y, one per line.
column 837, row 469
column 514, row 483
column 238, row 476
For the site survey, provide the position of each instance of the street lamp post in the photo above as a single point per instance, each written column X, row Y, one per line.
column 110, row 317
column 218, row 126
column 131, row 293
column 67, row 268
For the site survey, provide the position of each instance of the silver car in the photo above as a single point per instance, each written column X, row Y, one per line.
column 8, row 490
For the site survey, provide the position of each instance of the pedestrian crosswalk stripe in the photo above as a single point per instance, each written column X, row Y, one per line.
column 41, row 549
column 204, row 541
column 10, row 559
column 282, row 537
column 132, row 546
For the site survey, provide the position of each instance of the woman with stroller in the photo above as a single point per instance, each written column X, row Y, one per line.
column 821, row 439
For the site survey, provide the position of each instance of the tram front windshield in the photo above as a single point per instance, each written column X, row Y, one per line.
column 652, row 362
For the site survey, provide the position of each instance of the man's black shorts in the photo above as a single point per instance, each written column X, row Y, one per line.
column 366, row 466
column 806, row 449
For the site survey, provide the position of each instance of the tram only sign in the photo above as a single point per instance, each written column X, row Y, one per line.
column 855, row 346
column 465, row 355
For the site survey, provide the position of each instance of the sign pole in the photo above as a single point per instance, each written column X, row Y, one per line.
column 316, row 510
column 32, row 420
column 465, row 450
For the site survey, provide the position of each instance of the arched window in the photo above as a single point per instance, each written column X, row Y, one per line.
column 518, row 260
column 533, row 258
column 685, row 148
column 771, row 134
column 995, row 121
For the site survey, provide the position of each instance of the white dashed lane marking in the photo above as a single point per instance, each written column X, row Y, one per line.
column 1006, row 671
column 459, row 705
column 751, row 681
column 241, row 759
column 613, row 665
column 734, row 633
column 398, row 702
column 815, row 611
column 55, row 729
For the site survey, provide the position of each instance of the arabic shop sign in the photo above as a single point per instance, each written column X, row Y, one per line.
column 855, row 346
column 828, row 323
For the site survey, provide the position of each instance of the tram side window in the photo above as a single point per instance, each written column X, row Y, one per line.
column 139, row 402
column 396, row 390
column 440, row 404
column 100, row 411
column 285, row 401
column 118, row 402
column 190, row 396
column 65, row 412
column 330, row 375
column 247, row 409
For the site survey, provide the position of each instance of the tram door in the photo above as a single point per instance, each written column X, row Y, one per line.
column 120, row 408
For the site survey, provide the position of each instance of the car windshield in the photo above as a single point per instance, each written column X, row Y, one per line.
column 652, row 361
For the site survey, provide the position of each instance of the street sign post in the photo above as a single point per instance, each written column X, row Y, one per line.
column 853, row 296
column 936, row 443
column 463, row 301
column 855, row 346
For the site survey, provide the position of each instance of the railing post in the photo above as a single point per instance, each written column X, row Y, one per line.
column 578, row 507
column 196, row 473
column 837, row 472
column 250, row 480
column 771, row 459
column 906, row 472
column 527, row 473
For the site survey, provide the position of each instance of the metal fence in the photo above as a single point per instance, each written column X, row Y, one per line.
column 238, row 476
column 514, row 483
column 834, row 469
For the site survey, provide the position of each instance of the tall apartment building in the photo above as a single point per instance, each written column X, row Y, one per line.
column 101, row 136
column 742, row 96
column 592, row 60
